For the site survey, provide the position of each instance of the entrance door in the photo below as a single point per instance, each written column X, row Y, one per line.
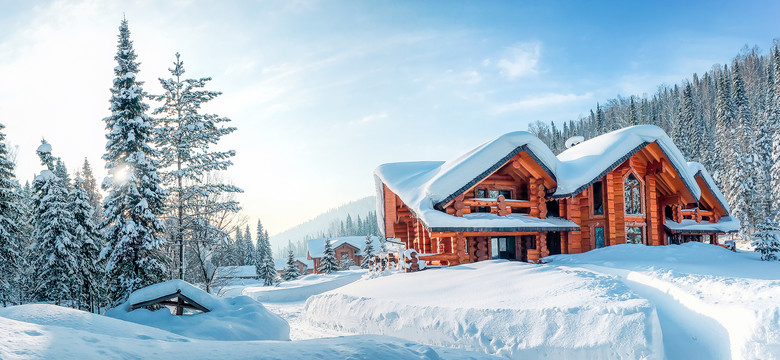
column 502, row 248
column 554, row 243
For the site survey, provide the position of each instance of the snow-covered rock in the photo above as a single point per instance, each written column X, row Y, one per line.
column 510, row 309
column 235, row 318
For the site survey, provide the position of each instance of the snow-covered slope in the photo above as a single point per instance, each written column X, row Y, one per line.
column 320, row 223
column 53, row 332
column 511, row 309
column 296, row 290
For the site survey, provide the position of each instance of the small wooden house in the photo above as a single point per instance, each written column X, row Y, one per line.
column 304, row 265
column 512, row 198
column 349, row 246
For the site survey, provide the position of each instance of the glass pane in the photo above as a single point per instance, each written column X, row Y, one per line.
column 501, row 244
column 494, row 248
column 494, row 194
column 599, row 235
column 598, row 199
column 481, row 193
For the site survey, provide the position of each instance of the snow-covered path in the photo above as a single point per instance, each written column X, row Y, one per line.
column 687, row 334
column 293, row 312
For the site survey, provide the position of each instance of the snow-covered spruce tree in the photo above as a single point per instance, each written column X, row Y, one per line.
column 90, row 242
column 745, row 169
column 134, row 251
column 290, row 270
column 54, row 244
column 346, row 262
column 368, row 252
column 767, row 241
column 184, row 137
column 328, row 262
column 23, row 281
column 266, row 268
column 774, row 119
column 90, row 186
column 11, row 217
column 249, row 251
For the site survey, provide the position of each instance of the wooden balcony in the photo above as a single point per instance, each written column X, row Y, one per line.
column 500, row 206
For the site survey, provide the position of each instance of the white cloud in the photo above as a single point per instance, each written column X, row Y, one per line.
column 369, row 119
column 520, row 60
column 541, row 101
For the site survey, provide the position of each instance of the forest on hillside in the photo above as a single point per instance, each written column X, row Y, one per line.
column 726, row 118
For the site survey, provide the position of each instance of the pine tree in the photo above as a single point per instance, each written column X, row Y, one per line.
column 134, row 249
column 266, row 267
column 328, row 262
column 11, row 220
column 744, row 166
column 290, row 270
column 767, row 241
column 774, row 120
column 57, row 264
column 250, row 257
column 346, row 262
column 185, row 138
column 368, row 252
column 89, row 241
column 89, row 185
column 238, row 248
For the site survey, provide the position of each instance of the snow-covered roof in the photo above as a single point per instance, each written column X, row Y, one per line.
column 589, row 161
column 171, row 287
column 317, row 246
column 726, row 224
column 281, row 263
column 236, row 271
column 424, row 185
column 698, row 170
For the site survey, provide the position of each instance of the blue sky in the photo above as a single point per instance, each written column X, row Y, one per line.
column 324, row 91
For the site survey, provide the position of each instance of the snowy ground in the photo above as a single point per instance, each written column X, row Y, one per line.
column 692, row 301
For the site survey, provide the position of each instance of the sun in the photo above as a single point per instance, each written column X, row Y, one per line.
column 121, row 173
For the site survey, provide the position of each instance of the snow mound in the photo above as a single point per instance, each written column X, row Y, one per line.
column 737, row 291
column 510, row 309
column 299, row 289
column 53, row 332
column 236, row 318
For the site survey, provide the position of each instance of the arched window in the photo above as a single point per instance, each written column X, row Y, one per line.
column 632, row 195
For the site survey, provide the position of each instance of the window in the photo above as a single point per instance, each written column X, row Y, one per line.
column 483, row 194
column 634, row 235
column 598, row 199
column 494, row 194
column 598, row 235
column 632, row 195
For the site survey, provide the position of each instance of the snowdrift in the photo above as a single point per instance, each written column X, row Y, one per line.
column 736, row 290
column 53, row 332
column 510, row 309
column 236, row 318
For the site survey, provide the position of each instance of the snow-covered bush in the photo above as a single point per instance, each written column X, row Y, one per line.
column 346, row 262
column 767, row 241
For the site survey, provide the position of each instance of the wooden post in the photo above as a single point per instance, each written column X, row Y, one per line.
column 653, row 214
column 179, row 306
column 610, row 238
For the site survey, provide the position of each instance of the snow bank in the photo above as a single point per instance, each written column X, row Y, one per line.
column 53, row 332
column 510, row 309
column 236, row 318
column 299, row 289
column 736, row 290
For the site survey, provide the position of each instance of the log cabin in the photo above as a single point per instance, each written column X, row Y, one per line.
column 302, row 264
column 349, row 246
column 512, row 198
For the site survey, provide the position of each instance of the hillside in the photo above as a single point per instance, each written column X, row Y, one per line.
column 321, row 222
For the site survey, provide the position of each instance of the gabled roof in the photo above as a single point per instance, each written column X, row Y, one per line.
column 317, row 246
column 424, row 185
column 583, row 164
column 160, row 293
column 700, row 172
